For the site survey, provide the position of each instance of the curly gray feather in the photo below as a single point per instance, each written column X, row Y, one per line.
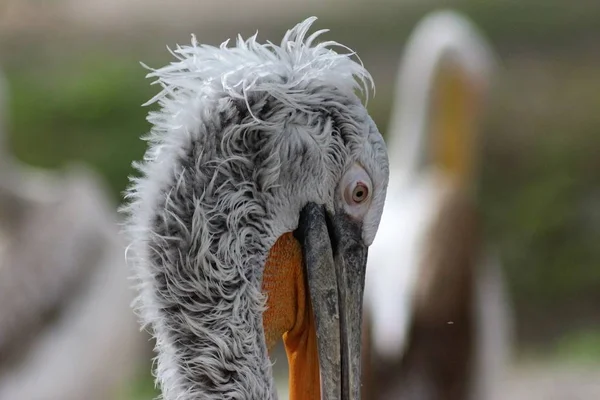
column 245, row 137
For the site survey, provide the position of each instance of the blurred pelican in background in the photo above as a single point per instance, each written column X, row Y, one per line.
column 66, row 329
column 437, row 321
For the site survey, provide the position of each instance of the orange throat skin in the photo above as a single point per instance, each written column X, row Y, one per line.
column 289, row 316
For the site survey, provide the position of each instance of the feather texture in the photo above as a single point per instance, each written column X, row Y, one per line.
column 245, row 137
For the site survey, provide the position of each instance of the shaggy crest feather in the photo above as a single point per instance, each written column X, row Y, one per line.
column 245, row 137
column 238, row 71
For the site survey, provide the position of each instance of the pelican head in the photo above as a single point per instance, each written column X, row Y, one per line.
column 261, row 190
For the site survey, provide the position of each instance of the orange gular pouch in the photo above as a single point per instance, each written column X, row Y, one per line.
column 289, row 315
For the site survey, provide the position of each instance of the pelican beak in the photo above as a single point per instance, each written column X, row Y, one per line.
column 335, row 261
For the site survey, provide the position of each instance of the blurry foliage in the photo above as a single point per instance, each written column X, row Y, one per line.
column 90, row 112
column 541, row 175
column 579, row 347
column 142, row 388
column 541, row 171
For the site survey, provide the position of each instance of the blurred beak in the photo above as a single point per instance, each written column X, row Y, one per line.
column 335, row 260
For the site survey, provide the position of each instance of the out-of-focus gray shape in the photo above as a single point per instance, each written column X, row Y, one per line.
column 437, row 319
column 66, row 328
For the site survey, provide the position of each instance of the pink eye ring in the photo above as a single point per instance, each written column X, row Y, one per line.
column 360, row 193
column 356, row 191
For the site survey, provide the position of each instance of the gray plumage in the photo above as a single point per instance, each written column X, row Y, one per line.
column 245, row 137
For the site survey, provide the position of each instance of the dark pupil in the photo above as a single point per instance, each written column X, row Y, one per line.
column 359, row 193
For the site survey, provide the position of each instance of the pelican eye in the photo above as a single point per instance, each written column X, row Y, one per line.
column 356, row 191
column 360, row 193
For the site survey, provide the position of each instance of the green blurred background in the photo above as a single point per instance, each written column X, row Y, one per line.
column 77, row 90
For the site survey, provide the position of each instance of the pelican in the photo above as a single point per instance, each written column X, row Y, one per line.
column 66, row 328
column 436, row 318
column 260, row 192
